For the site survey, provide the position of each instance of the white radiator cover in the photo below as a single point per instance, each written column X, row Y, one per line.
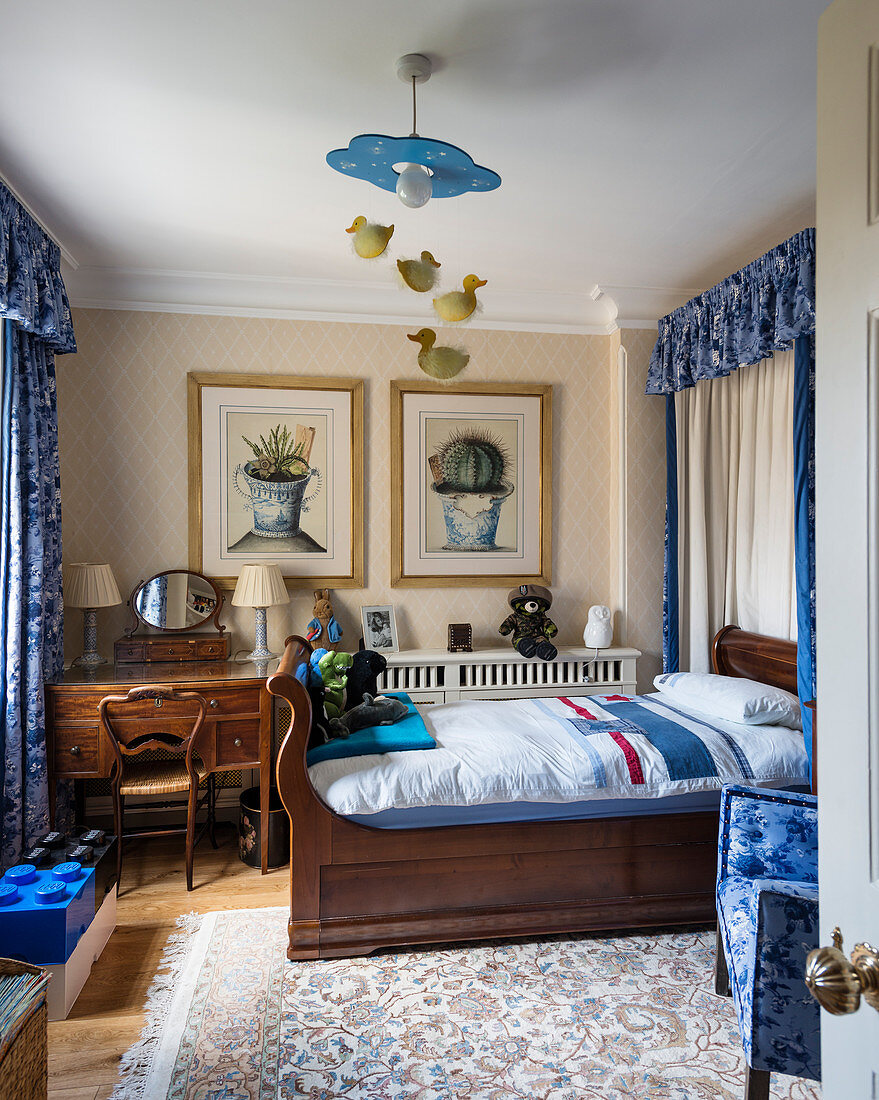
column 436, row 676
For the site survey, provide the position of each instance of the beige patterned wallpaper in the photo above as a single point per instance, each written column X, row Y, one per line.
column 122, row 419
column 645, row 507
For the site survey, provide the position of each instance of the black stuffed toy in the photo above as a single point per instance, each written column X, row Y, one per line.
column 363, row 676
column 319, row 721
column 528, row 622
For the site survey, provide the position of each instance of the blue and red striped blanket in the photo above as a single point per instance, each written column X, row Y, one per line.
column 563, row 750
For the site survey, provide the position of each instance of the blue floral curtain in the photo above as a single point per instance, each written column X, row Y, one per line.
column 766, row 307
column 761, row 309
column 36, row 322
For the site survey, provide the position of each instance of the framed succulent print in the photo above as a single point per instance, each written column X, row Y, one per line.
column 471, row 478
column 276, row 474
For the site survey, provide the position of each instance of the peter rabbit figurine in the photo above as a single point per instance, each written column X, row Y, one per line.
column 323, row 628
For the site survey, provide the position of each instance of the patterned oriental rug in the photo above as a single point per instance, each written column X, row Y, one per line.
column 557, row 1019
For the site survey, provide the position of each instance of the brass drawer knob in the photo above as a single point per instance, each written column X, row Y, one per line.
column 215, row 703
column 75, row 750
column 237, row 742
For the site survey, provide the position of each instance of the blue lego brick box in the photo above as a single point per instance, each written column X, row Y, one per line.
column 44, row 912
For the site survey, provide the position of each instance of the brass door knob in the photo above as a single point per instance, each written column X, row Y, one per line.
column 836, row 983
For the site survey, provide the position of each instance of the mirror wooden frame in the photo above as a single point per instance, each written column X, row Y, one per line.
column 137, row 620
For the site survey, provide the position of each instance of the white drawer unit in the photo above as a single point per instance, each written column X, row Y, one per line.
column 436, row 676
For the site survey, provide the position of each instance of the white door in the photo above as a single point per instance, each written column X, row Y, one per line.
column 847, row 510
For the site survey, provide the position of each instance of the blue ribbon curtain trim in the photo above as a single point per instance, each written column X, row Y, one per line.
column 759, row 310
column 804, row 523
column 670, row 643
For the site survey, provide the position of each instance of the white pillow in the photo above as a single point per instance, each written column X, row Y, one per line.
column 731, row 697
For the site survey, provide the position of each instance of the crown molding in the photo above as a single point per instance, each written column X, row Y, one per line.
column 598, row 311
column 325, row 300
column 642, row 306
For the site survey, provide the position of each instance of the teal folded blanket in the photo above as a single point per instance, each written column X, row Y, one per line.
column 408, row 733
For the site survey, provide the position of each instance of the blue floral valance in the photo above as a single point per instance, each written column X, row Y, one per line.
column 761, row 309
column 32, row 293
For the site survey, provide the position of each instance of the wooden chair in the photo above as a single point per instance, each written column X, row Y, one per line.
column 146, row 719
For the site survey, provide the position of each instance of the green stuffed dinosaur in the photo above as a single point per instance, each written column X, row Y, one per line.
column 333, row 669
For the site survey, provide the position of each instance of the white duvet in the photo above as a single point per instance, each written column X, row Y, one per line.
column 555, row 750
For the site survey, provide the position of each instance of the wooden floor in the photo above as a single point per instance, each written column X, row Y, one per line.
column 84, row 1049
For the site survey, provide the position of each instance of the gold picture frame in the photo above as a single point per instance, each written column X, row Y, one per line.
column 276, row 474
column 471, row 484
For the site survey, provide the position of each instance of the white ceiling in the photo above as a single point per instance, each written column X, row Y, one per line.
column 176, row 149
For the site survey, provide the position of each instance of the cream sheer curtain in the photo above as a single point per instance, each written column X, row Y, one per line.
column 736, row 506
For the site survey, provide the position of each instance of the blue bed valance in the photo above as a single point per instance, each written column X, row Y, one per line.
column 761, row 309
column 32, row 292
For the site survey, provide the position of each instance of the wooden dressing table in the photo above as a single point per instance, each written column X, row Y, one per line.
column 237, row 732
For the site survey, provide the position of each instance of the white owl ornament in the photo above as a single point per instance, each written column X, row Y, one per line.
column 599, row 628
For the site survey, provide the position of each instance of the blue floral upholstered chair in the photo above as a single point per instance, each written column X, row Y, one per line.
column 767, row 923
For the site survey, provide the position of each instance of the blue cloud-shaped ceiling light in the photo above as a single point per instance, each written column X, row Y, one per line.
column 417, row 168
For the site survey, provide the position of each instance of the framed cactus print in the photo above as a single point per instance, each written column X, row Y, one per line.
column 276, row 474
column 471, row 479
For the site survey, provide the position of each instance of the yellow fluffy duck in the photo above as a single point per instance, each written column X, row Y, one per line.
column 420, row 274
column 370, row 238
column 457, row 305
column 442, row 363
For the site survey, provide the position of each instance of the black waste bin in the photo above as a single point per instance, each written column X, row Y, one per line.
column 250, row 819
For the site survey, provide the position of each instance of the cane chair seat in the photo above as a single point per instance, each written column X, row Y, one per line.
column 158, row 777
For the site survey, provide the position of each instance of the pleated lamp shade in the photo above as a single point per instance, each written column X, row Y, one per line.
column 260, row 585
column 90, row 585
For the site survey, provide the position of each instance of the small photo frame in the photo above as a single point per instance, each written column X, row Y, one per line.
column 379, row 628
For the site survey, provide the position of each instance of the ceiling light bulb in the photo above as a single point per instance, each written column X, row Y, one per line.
column 414, row 187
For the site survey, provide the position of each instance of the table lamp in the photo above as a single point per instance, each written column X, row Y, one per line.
column 90, row 586
column 260, row 586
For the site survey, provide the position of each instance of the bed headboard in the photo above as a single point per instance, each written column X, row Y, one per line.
column 772, row 661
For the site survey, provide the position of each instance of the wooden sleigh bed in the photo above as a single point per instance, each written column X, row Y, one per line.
column 355, row 888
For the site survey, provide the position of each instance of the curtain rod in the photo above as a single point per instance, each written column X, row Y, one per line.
column 65, row 252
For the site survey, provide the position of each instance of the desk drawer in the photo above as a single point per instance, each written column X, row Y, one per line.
column 129, row 651
column 237, row 743
column 169, row 649
column 76, row 750
column 76, row 708
column 243, row 699
column 233, row 700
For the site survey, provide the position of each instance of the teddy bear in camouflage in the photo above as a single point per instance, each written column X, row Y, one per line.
column 528, row 622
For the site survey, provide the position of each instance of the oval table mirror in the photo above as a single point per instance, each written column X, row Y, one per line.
column 175, row 602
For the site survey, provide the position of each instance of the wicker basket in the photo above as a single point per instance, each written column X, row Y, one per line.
column 24, row 1071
